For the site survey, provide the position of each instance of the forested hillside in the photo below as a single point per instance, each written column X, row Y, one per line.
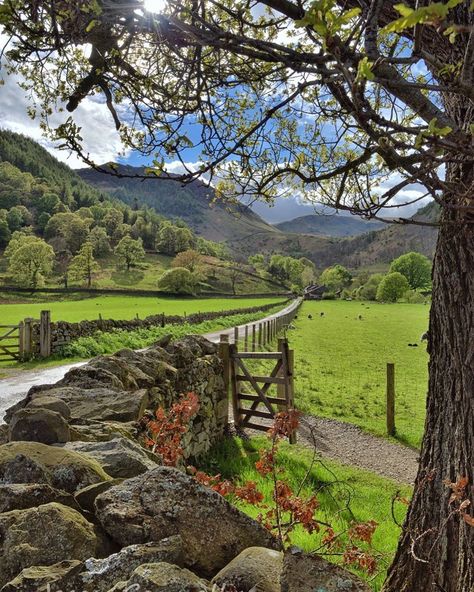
column 329, row 225
column 195, row 203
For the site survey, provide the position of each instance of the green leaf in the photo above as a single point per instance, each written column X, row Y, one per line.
column 364, row 70
column 91, row 25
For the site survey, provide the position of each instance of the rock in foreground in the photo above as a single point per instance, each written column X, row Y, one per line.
column 165, row 502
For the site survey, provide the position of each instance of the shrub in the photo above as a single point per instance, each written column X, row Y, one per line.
column 392, row 287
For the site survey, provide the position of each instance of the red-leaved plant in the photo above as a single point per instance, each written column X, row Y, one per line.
column 288, row 509
column 164, row 433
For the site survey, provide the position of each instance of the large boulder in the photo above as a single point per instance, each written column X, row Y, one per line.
column 164, row 502
column 99, row 403
column 255, row 569
column 43, row 536
column 99, row 575
column 60, row 577
column 32, row 462
column 30, row 495
column 52, row 403
column 306, row 573
column 39, row 425
column 119, row 457
column 164, row 577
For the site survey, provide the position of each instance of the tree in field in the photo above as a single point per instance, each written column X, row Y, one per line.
column 360, row 104
column 415, row 267
column 72, row 228
column 30, row 260
column 336, row 278
column 5, row 233
column 392, row 287
column 129, row 252
column 83, row 266
column 189, row 259
column 178, row 280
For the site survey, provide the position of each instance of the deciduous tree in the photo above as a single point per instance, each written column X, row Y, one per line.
column 352, row 102
column 392, row 287
column 83, row 266
column 415, row 267
column 130, row 252
column 30, row 261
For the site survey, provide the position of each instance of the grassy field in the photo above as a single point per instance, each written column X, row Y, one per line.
column 345, row 494
column 121, row 307
column 340, row 362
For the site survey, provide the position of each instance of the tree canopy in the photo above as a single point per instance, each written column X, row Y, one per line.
column 415, row 267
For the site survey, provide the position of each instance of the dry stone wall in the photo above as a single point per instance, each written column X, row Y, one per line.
column 107, row 397
column 63, row 332
column 84, row 506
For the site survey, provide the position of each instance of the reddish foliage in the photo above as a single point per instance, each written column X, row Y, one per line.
column 459, row 498
column 363, row 531
column 359, row 558
column 265, row 465
column 285, row 423
column 249, row 493
column 164, row 433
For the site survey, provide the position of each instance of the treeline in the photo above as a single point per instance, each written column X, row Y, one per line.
column 408, row 279
column 49, row 227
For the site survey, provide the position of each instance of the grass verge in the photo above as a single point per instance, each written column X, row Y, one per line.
column 346, row 494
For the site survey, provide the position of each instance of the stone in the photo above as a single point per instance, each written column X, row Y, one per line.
column 85, row 497
column 164, row 577
column 19, row 496
column 99, row 403
column 98, row 575
column 119, row 457
column 303, row 572
column 89, row 377
column 165, row 501
column 256, row 569
column 43, row 536
column 60, row 577
column 38, row 425
column 89, row 430
column 51, row 403
column 32, row 462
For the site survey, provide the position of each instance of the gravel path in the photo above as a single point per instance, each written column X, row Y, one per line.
column 350, row 445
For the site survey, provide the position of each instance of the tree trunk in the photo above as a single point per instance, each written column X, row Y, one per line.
column 436, row 549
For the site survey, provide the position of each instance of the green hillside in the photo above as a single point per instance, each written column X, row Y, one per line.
column 195, row 203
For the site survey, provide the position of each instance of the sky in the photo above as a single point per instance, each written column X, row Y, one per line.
column 102, row 141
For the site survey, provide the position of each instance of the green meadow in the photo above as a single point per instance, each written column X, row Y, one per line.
column 121, row 307
column 345, row 494
column 341, row 357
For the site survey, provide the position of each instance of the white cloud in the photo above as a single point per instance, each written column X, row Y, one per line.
column 101, row 139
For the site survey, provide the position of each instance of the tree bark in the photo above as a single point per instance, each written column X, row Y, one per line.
column 436, row 549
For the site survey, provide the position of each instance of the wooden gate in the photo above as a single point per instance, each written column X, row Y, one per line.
column 260, row 402
column 10, row 346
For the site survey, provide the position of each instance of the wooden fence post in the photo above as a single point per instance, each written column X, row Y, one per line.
column 234, row 386
column 253, row 337
column 260, row 336
column 45, row 334
column 27, row 338
column 236, row 335
column 391, row 399
column 21, row 339
column 225, row 357
column 291, row 393
column 246, row 338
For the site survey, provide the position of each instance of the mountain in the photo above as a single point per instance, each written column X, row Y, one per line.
column 29, row 157
column 283, row 209
column 194, row 203
column 332, row 225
